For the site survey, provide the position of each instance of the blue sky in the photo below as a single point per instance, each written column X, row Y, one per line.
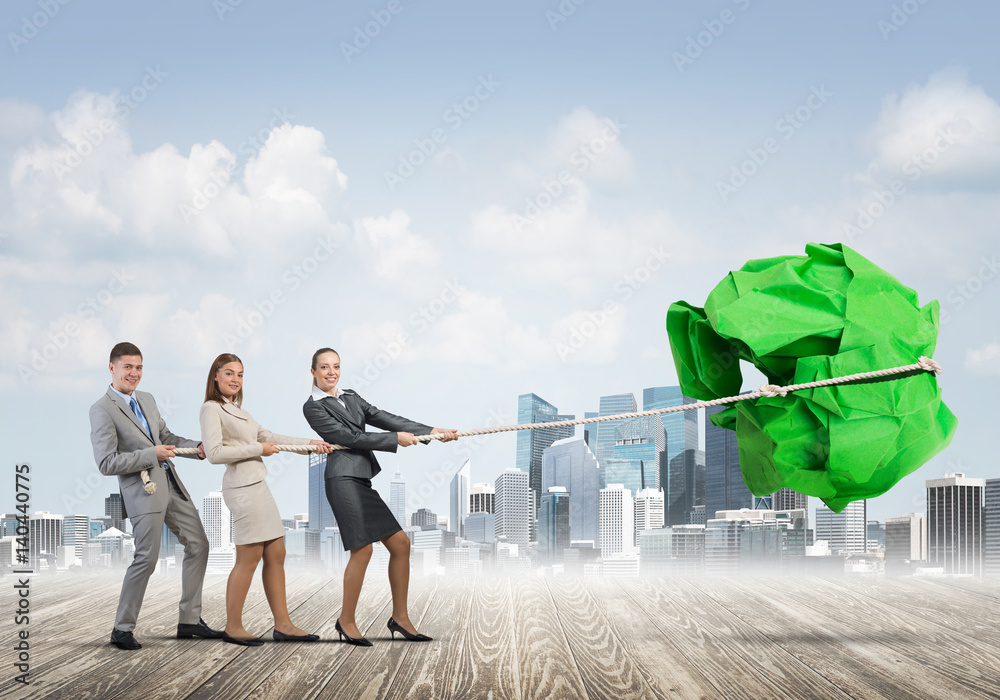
column 279, row 147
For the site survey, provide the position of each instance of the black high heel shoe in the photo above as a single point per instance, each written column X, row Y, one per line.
column 396, row 627
column 356, row 641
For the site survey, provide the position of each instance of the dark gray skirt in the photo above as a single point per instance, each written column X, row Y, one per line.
column 362, row 515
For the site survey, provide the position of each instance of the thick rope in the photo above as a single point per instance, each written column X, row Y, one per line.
column 924, row 364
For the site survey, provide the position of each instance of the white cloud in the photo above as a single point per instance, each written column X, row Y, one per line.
column 984, row 360
column 589, row 146
column 396, row 252
column 947, row 127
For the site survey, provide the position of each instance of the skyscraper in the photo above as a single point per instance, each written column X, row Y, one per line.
column 76, row 533
column 955, row 523
column 845, row 531
column 648, row 511
column 460, row 499
column 643, row 440
column 787, row 499
column 45, row 532
column 617, row 521
column 531, row 443
column 217, row 520
column 685, row 487
column 320, row 513
column 590, row 429
column 114, row 509
column 681, row 427
column 724, row 485
column 397, row 498
column 610, row 406
column 570, row 463
column 481, row 498
column 553, row 524
column 991, row 527
column 424, row 517
column 905, row 541
column 512, row 510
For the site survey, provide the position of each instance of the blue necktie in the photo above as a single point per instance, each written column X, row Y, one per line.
column 142, row 419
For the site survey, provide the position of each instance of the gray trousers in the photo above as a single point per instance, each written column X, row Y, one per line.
column 181, row 518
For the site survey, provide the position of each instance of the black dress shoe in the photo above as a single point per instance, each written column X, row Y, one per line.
column 200, row 630
column 255, row 642
column 124, row 640
column 396, row 627
column 356, row 641
column 282, row 637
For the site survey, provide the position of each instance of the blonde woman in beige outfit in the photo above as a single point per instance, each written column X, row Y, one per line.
column 232, row 437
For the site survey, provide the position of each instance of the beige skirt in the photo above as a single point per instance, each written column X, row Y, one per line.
column 255, row 514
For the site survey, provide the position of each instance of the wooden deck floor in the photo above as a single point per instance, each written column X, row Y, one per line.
column 533, row 638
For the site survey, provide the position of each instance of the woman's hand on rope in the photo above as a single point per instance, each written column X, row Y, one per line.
column 405, row 439
column 323, row 448
column 449, row 434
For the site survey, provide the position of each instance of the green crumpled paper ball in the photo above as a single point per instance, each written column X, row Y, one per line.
column 805, row 318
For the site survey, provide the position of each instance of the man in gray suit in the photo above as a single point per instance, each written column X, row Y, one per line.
column 128, row 435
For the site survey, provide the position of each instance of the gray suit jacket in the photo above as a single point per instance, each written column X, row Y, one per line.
column 123, row 448
column 340, row 426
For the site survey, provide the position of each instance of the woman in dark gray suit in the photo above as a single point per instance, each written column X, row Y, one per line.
column 339, row 417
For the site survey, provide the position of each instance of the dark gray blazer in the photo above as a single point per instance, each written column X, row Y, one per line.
column 347, row 427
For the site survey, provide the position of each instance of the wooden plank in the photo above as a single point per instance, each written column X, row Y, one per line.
column 601, row 658
column 486, row 662
column 655, row 654
column 972, row 665
column 315, row 666
column 861, row 668
column 737, row 659
column 547, row 666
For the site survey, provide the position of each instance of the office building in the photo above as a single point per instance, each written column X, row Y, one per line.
column 76, row 533
column 217, row 521
column 459, row 500
column 617, row 521
column 570, row 464
column 875, row 532
column 991, row 528
column 480, row 527
column 8, row 525
column 846, row 530
column 424, row 517
column 724, row 485
column 605, row 431
column 955, row 523
column 302, row 546
column 590, row 430
column 531, row 443
column 681, row 427
column 905, row 543
column 787, row 499
column 397, row 498
column 320, row 513
column 481, row 498
column 168, row 543
column 45, row 534
column 648, row 511
column 114, row 508
column 554, row 524
column 643, row 440
column 512, row 508
column 685, row 487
